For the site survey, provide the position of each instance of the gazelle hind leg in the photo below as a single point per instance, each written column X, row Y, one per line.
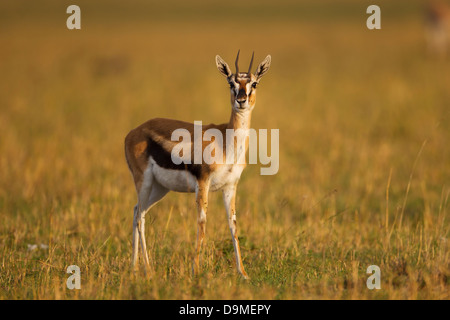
column 139, row 215
column 135, row 239
column 139, row 218
column 147, row 199
column 141, row 231
column 229, row 197
column 156, row 194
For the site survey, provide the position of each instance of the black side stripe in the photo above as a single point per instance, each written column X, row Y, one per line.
column 163, row 158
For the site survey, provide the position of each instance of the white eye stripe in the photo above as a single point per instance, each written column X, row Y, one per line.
column 249, row 86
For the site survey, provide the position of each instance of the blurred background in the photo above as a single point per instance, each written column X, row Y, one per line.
column 364, row 155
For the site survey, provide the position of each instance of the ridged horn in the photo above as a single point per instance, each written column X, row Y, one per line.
column 237, row 63
column 251, row 62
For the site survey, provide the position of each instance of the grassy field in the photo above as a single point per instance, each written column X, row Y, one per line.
column 364, row 175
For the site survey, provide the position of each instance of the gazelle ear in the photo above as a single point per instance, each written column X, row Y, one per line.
column 223, row 66
column 263, row 67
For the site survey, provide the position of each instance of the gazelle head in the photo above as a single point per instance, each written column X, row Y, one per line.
column 243, row 84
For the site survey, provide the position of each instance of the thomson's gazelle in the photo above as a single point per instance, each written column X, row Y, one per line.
column 438, row 27
column 148, row 151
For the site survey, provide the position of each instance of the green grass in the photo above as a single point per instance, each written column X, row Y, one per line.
column 364, row 171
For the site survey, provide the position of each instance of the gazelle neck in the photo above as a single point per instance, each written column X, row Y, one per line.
column 240, row 124
column 240, row 120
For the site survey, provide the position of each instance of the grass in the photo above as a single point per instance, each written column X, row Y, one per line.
column 364, row 172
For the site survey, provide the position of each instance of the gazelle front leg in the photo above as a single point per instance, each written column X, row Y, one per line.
column 202, row 207
column 229, row 197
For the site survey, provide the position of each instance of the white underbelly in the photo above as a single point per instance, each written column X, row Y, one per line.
column 175, row 180
column 226, row 175
column 184, row 181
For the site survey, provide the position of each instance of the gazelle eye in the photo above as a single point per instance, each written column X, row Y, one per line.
column 254, row 84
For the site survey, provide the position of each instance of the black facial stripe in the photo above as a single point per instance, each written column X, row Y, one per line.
column 242, row 94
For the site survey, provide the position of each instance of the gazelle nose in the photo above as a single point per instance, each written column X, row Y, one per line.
column 241, row 101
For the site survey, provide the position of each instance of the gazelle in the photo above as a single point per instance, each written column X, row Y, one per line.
column 438, row 27
column 148, row 151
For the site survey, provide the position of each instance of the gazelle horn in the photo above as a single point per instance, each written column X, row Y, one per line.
column 251, row 62
column 237, row 63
